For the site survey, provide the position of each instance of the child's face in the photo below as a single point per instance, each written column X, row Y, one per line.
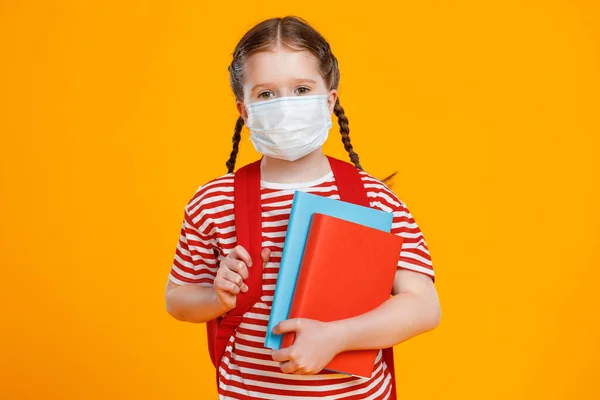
column 281, row 73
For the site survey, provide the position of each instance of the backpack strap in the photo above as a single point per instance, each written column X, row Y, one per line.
column 349, row 184
column 248, row 228
column 248, row 217
column 352, row 190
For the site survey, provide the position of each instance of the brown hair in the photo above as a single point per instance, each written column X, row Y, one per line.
column 297, row 34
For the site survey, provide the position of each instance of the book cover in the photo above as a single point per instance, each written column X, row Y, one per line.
column 304, row 205
column 348, row 269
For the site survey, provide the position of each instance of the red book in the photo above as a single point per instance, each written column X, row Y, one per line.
column 347, row 269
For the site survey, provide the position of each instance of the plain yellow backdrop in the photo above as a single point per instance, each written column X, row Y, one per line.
column 112, row 113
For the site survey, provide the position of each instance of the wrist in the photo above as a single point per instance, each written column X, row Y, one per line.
column 221, row 307
column 339, row 334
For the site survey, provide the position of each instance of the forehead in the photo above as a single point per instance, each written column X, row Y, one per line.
column 280, row 65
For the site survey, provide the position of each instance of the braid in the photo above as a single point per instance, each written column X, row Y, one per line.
column 345, row 131
column 236, row 144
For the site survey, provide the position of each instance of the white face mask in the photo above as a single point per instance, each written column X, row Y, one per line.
column 289, row 128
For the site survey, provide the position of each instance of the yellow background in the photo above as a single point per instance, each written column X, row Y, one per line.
column 112, row 113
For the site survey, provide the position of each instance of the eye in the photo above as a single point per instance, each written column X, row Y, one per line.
column 265, row 95
column 302, row 90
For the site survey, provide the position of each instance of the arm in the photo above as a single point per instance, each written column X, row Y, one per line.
column 193, row 303
column 200, row 288
column 413, row 309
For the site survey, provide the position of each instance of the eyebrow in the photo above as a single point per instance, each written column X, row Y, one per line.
column 296, row 81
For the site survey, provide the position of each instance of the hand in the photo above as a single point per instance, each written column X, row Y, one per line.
column 232, row 272
column 315, row 345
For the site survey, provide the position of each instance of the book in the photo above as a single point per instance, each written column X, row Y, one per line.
column 304, row 205
column 347, row 270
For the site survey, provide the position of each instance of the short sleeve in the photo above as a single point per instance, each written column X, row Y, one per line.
column 415, row 253
column 195, row 259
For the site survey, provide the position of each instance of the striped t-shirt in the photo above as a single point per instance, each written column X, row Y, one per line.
column 247, row 370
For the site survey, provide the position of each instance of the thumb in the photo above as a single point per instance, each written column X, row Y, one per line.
column 265, row 254
column 289, row 325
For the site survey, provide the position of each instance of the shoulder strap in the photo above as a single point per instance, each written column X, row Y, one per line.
column 248, row 228
column 349, row 184
column 247, row 214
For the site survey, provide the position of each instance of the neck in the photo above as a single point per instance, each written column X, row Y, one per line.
column 308, row 168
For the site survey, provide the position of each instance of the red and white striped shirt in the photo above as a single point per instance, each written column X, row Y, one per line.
column 247, row 370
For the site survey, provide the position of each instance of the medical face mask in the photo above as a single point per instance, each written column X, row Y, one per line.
column 289, row 128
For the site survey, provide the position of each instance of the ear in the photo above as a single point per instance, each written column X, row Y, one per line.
column 331, row 99
column 241, row 107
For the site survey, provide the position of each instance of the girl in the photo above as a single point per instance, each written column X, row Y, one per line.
column 285, row 79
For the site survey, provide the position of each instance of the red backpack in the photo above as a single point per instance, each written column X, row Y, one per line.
column 248, row 225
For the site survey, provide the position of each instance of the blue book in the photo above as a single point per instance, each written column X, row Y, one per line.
column 304, row 205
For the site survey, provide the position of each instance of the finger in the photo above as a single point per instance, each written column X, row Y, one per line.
column 237, row 266
column 285, row 354
column 240, row 253
column 234, row 277
column 289, row 325
column 227, row 286
column 289, row 367
column 301, row 371
column 265, row 254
